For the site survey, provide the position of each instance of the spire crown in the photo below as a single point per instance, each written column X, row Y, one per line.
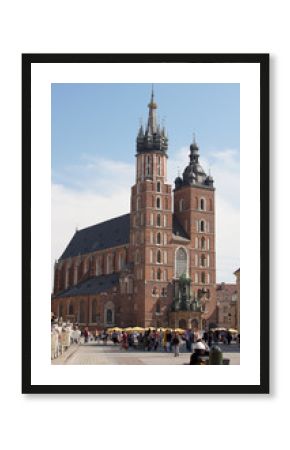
column 154, row 138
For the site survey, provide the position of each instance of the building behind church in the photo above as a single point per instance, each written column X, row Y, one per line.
column 154, row 266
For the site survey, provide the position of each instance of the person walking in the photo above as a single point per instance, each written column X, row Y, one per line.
column 176, row 343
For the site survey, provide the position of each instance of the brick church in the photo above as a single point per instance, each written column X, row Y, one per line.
column 154, row 266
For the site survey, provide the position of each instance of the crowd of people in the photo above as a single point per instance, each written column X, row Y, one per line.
column 150, row 339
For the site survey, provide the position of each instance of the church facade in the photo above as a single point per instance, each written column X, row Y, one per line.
column 154, row 266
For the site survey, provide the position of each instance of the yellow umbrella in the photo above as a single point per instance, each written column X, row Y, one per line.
column 111, row 330
column 233, row 330
column 138, row 329
column 179, row 330
column 129, row 329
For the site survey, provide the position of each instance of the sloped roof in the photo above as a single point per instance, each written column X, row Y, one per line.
column 178, row 230
column 111, row 233
column 92, row 286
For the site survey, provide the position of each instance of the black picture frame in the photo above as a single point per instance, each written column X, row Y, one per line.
column 263, row 61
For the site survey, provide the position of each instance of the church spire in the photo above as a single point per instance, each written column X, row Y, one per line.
column 152, row 119
column 153, row 138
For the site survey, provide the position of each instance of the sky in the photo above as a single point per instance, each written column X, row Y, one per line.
column 93, row 135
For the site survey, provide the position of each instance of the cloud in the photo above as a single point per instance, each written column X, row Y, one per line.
column 99, row 188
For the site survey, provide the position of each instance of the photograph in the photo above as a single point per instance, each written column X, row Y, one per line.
column 145, row 224
column 145, row 192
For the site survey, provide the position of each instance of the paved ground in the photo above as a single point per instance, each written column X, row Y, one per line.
column 93, row 353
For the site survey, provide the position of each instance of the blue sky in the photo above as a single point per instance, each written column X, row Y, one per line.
column 94, row 129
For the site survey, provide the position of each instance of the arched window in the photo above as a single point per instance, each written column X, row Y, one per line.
column 203, row 260
column 137, row 257
column 158, row 238
column 158, row 256
column 109, row 317
column 109, row 264
column 158, row 186
column 70, row 309
column 159, row 220
column 181, row 262
column 203, row 277
column 181, row 204
column 109, row 313
column 158, row 165
column 94, row 311
column 202, row 226
column 203, row 243
column 202, row 204
column 158, row 203
column 159, row 274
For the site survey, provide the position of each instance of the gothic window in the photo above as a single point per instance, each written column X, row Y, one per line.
column 181, row 205
column 202, row 226
column 158, row 258
column 202, row 204
column 137, row 257
column 158, row 238
column 109, row 316
column 158, row 165
column 130, row 286
column 203, row 260
column 181, row 262
column 159, row 220
column 70, row 309
column 109, row 264
column 203, row 277
column 148, row 171
column 159, row 274
column 158, row 203
column 94, row 311
column 203, row 243
column 158, row 186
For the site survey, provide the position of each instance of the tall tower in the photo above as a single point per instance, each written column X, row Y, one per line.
column 194, row 207
column 151, row 223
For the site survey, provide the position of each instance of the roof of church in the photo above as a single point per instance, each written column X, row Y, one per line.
column 111, row 233
column 92, row 286
column 177, row 228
